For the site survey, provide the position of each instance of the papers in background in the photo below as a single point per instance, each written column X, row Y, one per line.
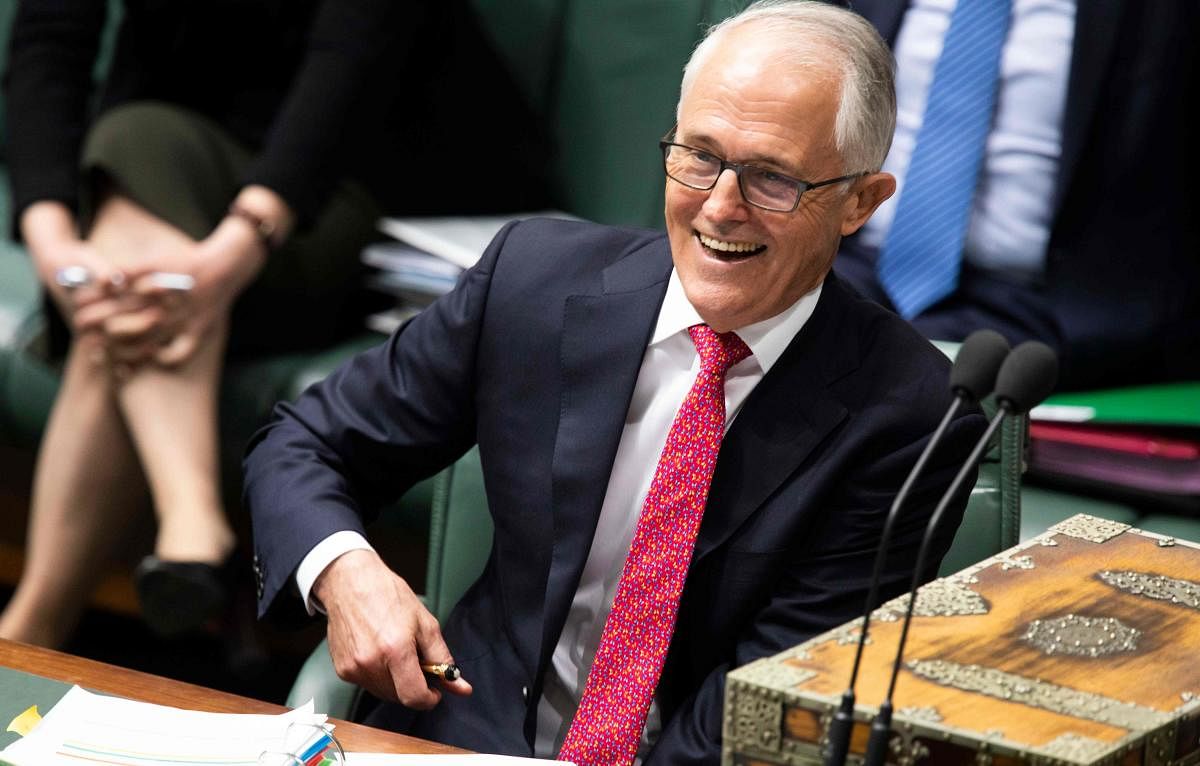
column 87, row 727
column 1139, row 443
column 427, row 257
column 457, row 239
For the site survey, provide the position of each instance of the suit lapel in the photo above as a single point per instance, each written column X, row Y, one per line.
column 786, row 416
column 1096, row 25
column 604, row 340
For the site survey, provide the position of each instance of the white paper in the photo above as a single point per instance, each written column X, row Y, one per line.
column 404, row 258
column 1062, row 413
column 459, row 239
column 84, row 727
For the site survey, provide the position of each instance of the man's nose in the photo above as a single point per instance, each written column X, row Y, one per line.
column 725, row 198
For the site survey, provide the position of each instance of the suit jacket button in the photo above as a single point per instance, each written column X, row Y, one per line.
column 525, row 693
column 258, row 575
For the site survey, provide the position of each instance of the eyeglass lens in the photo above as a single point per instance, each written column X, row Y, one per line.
column 760, row 187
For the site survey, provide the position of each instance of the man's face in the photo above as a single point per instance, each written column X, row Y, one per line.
column 740, row 264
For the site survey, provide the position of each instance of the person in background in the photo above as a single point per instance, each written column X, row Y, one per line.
column 782, row 411
column 1080, row 226
column 209, row 198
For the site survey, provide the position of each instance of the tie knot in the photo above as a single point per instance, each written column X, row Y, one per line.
column 718, row 350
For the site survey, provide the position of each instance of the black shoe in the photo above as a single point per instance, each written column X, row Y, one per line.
column 178, row 597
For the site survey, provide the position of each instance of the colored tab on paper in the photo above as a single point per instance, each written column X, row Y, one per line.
column 24, row 723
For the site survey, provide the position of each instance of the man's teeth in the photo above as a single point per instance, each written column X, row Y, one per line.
column 729, row 247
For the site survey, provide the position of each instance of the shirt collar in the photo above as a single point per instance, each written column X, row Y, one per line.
column 767, row 339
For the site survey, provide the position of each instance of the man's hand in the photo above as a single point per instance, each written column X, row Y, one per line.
column 380, row 633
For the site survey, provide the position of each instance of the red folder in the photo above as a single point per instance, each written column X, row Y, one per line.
column 1162, row 463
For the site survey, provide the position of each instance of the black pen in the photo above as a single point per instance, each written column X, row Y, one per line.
column 447, row 671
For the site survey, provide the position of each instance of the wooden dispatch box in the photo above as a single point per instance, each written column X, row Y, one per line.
column 1080, row 646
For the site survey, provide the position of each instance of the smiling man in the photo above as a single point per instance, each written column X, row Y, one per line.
column 689, row 441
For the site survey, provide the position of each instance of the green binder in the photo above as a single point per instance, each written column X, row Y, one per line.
column 1167, row 404
column 19, row 690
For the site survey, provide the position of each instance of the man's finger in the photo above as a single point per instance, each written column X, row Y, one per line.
column 436, row 659
column 411, row 685
column 448, row 676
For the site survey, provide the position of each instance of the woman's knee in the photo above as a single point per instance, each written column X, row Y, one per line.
column 175, row 163
column 135, row 134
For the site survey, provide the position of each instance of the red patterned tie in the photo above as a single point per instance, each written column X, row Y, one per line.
column 616, row 698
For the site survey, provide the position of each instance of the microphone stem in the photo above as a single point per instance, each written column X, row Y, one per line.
column 842, row 723
column 889, row 522
column 931, row 527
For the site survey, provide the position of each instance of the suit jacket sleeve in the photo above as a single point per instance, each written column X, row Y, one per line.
column 386, row 419
column 826, row 584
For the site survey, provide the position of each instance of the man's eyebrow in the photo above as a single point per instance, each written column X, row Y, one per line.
column 766, row 162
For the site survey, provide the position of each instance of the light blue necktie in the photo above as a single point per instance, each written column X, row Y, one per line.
column 919, row 261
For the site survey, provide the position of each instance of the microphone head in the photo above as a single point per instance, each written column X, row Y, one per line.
column 1027, row 376
column 976, row 364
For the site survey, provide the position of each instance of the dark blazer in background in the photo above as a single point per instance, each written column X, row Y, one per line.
column 1122, row 281
column 535, row 356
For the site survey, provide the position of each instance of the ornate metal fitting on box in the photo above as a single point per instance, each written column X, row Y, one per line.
column 927, row 714
column 775, row 675
column 1091, row 528
column 1081, row 636
column 1016, row 562
column 1039, row 694
column 906, row 751
column 755, row 718
column 945, row 597
column 1157, row 587
column 1074, row 747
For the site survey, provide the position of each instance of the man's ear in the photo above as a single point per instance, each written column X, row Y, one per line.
column 869, row 193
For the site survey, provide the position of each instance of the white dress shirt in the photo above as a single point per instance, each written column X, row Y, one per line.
column 669, row 368
column 1011, row 215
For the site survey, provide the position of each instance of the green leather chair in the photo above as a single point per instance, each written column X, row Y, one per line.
column 458, row 512
column 992, row 520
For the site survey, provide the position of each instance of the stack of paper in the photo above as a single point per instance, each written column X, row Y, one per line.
column 1141, row 442
column 426, row 258
column 86, row 727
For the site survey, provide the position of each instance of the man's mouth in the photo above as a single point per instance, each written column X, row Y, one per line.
column 729, row 249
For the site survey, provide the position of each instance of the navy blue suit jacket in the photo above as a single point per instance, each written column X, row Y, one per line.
column 1121, row 294
column 534, row 357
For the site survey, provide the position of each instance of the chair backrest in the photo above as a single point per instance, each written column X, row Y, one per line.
column 604, row 77
column 460, row 537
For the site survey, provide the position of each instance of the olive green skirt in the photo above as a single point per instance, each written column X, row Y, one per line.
column 186, row 169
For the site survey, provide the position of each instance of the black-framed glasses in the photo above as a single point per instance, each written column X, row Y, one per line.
column 766, row 189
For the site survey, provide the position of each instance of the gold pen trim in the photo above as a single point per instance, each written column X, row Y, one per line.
column 445, row 670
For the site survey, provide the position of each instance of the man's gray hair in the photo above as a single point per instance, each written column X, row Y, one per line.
column 809, row 33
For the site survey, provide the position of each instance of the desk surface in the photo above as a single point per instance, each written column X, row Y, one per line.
column 46, row 675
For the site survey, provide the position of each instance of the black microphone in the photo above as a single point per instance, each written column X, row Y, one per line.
column 971, row 378
column 1026, row 378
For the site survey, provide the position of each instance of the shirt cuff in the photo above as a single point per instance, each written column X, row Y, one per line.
column 320, row 557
